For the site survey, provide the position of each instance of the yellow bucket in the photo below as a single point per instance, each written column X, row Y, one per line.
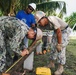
column 43, row 71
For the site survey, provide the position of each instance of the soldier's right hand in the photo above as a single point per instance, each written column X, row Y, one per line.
column 24, row 52
column 59, row 47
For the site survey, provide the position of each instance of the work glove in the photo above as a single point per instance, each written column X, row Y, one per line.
column 59, row 47
column 24, row 52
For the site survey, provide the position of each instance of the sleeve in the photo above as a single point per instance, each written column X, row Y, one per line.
column 55, row 22
column 16, row 41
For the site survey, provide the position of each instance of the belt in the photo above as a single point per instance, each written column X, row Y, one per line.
column 65, row 28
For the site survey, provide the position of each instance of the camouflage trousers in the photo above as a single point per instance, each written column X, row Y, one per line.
column 5, row 59
column 2, row 53
column 60, row 56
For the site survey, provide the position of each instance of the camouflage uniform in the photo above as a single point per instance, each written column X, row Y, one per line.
column 12, row 31
column 56, row 23
column 60, row 55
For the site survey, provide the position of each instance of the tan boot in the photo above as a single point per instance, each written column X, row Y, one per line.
column 51, row 64
column 60, row 70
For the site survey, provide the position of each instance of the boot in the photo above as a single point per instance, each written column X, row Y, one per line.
column 51, row 64
column 60, row 70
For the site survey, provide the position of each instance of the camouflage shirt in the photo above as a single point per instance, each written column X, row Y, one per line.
column 12, row 31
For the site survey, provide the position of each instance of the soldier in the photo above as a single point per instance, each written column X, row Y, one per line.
column 59, row 41
column 12, row 32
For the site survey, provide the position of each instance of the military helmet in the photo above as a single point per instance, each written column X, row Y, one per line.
column 39, row 15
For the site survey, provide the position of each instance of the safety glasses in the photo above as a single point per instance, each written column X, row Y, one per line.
column 30, row 8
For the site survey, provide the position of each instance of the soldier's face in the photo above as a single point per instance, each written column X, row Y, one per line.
column 31, row 34
column 43, row 22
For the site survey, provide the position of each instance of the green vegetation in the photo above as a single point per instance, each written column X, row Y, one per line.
column 71, row 20
column 48, row 6
column 72, row 47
